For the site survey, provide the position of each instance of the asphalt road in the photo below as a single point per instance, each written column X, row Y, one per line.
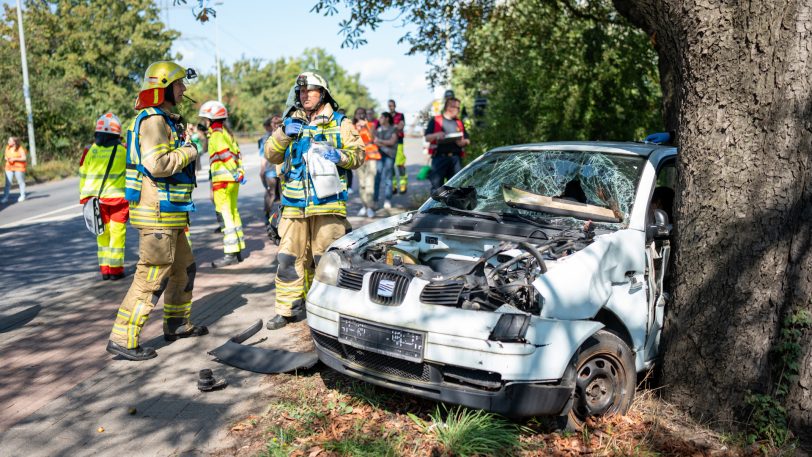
column 45, row 244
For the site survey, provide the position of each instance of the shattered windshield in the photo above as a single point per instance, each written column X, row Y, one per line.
column 565, row 187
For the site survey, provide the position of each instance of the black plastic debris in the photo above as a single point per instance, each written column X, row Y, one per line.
column 261, row 360
column 207, row 383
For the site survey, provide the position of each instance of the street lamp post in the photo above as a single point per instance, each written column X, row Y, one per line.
column 32, row 144
column 217, row 58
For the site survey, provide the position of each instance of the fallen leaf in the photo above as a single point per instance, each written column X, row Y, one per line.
column 100, row 429
column 314, row 451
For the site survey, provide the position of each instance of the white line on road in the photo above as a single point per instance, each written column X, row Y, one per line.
column 45, row 216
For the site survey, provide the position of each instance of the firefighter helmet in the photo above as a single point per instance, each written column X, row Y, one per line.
column 157, row 78
column 311, row 81
column 212, row 110
column 108, row 123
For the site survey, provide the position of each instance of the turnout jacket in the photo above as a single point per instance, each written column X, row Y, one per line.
column 298, row 196
column 160, row 172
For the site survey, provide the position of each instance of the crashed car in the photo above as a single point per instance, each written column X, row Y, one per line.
column 532, row 283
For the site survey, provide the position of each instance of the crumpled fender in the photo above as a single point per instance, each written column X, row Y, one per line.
column 579, row 285
column 380, row 228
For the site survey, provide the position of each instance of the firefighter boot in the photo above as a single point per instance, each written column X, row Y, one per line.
column 228, row 259
column 137, row 354
column 195, row 330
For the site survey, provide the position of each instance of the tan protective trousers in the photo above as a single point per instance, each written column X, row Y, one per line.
column 366, row 182
column 165, row 265
column 303, row 242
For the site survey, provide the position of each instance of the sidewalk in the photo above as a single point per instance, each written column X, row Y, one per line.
column 59, row 388
column 171, row 415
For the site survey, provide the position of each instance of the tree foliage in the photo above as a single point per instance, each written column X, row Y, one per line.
column 253, row 91
column 85, row 57
column 549, row 70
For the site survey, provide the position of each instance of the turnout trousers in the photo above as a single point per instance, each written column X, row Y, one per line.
column 225, row 203
column 110, row 244
column 303, row 242
column 165, row 266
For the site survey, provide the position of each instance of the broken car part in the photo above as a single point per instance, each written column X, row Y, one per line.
column 261, row 360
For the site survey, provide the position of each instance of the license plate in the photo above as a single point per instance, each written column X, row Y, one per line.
column 392, row 341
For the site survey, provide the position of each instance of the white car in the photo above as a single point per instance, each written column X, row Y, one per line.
column 531, row 284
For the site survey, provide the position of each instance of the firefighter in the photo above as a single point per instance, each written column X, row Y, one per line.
column 159, row 184
column 101, row 174
column 310, row 222
column 226, row 173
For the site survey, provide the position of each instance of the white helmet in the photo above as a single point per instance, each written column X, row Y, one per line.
column 109, row 123
column 213, row 109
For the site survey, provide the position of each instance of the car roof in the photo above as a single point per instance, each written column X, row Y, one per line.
column 614, row 147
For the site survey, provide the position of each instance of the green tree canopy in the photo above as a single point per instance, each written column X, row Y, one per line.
column 253, row 91
column 550, row 70
column 85, row 57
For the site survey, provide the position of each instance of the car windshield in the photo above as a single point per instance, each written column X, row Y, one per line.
column 562, row 187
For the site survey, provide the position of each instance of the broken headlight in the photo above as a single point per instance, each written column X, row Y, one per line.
column 327, row 270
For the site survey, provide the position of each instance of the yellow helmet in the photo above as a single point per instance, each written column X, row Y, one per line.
column 157, row 78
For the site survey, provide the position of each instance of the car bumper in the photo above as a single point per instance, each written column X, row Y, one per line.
column 446, row 383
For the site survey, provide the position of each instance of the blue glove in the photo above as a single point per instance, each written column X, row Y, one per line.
column 292, row 129
column 243, row 180
column 332, row 155
column 658, row 138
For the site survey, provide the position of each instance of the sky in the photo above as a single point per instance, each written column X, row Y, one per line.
column 271, row 29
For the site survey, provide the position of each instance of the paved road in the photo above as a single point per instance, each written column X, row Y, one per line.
column 58, row 385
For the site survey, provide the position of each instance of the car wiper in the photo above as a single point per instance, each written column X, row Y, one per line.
column 536, row 223
column 463, row 212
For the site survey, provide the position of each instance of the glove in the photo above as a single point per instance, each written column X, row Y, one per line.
column 332, row 155
column 292, row 129
column 241, row 179
column 658, row 138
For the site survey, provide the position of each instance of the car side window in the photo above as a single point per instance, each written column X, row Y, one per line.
column 663, row 196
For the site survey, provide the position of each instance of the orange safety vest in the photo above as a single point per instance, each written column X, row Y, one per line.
column 18, row 155
column 370, row 149
column 438, row 127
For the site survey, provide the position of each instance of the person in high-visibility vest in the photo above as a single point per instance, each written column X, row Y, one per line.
column 314, row 213
column 159, row 184
column 15, row 158
column 107, row 157
column 226, row 173
column 366, row 173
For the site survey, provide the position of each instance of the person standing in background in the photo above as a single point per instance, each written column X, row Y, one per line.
column 16, row 162
column 101, row 174
column 386, row 139
column 367, row 171
column 227, row 174
column 400, row 180
column 267, row 171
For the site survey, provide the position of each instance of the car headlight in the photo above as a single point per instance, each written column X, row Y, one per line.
column 327, row 270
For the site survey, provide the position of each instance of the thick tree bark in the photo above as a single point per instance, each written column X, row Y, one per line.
column 742, row 77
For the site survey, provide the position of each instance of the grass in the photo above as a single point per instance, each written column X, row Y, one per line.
column 467, row 432
column 47, row 171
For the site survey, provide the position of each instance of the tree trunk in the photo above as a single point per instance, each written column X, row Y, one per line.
column 742, row 76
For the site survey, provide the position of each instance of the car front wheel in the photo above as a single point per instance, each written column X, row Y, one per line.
column 604, row 379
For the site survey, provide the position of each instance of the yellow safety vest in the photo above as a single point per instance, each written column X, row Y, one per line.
column 225, row 164
column 91, row 172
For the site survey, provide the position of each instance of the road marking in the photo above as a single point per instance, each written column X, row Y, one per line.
column 45, row 217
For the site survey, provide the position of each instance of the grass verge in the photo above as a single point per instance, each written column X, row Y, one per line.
column 47, row 171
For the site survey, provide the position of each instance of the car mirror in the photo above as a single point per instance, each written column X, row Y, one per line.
column 661, row 227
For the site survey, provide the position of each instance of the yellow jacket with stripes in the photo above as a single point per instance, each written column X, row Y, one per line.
column 298, row 196
column 91, row 172
column 225, row 164
column 165, row 188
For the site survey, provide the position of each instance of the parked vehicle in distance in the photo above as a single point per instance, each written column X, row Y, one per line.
column 533, row 283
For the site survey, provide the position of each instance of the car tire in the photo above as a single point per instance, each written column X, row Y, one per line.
column 605, row 378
